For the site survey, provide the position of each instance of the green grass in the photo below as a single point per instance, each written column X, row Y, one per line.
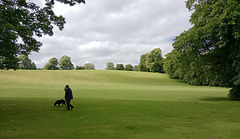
column 113, row 104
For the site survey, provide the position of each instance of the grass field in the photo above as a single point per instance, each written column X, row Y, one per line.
column 113, row 104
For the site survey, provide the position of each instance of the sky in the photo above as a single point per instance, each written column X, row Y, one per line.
column 103, row 31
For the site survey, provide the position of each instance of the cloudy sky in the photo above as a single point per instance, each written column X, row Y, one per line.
column 102, row 31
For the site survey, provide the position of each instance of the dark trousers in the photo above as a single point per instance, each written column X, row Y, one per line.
column 68, row 104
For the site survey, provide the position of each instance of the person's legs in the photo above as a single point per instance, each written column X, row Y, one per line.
column 71, row 106
column 68, row 104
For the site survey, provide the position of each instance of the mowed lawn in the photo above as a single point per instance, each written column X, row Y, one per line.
column 113, row 104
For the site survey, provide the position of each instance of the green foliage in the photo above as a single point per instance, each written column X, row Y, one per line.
column 136, row 68
column 52, row 64
column 79, row 68
column 152, row 62
column 89, row 66
column 142, row 65
column 209, row 52
column 120, row 67
column 26, row 63
column 234, row 93
column 65, row 63
column 129, row 67
column 172, row 65
column 110, row 66
column 20, row 22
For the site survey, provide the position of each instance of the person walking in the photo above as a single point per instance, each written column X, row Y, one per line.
column 68, row 97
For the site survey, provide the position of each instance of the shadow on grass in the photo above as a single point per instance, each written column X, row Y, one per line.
column 215, row 99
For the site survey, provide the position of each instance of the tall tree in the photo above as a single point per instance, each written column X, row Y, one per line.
column 209, row 52
column 142, row 65
column 65, row 63
column 20, row 22
column 52, row 64
column 120, row 67
column 26, row 63
column 110, row 66
column 152, row 62
column 129, row 67
column 89, row 66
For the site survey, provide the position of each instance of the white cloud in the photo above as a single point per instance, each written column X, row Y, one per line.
column 102, row 31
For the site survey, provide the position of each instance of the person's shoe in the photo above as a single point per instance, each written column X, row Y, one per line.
column 72, row 107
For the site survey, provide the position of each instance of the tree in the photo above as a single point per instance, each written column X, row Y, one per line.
column 209, row 53
column 20, row 22
column 142, row 65
column 136, row 68
column 120, row 67
column 172, row 65
column 79, row 68
column 65, row 63
column 89, row 66
column 128, row 67
column 26, row 63
column 52, row 64
column 110, row 66
column 152, row 62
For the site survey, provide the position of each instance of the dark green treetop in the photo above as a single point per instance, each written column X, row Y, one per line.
column 65, row 63
column 52, row 64
column 21, row 21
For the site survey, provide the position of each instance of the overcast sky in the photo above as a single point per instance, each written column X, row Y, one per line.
column 120, row 31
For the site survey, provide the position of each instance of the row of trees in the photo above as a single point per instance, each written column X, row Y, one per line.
column 66, row 64
column 209, row 53
column 86, row 66
column 150, row 62
column 128, row 67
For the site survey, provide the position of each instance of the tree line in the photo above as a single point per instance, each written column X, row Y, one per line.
column 128, row 67
column 53, row 64
column 65, row 63
column 149, row 62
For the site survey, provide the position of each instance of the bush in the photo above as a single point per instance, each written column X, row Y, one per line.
column 234, row 93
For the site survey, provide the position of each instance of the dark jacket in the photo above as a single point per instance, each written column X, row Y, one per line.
column 68, row 94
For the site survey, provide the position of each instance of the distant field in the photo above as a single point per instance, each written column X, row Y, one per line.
column 113, row 104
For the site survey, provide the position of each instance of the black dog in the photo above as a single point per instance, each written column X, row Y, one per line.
column 63, row 102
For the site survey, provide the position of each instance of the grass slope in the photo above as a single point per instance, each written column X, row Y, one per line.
column 113, row 104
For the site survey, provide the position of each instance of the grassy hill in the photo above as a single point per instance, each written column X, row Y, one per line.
column 113, row 104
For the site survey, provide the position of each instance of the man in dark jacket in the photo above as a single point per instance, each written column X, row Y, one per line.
column 68, row 96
